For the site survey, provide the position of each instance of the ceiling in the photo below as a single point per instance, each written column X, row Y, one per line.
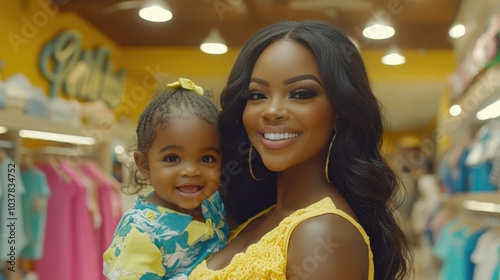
column 419, row 24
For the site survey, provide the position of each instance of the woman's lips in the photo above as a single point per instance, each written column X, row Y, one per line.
column 278, row 141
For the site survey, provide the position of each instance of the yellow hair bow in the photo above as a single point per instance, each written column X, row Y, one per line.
column 186, row 84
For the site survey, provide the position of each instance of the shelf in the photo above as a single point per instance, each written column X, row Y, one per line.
column 17, row 121
column 483, row 90
column 488, row 202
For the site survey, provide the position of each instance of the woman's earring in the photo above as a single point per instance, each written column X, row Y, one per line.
column 250, row 166
column 328, row 159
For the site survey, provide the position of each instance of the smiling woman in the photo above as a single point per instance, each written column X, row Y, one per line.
column 299, row 97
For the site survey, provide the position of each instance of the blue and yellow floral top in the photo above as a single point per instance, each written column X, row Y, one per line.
column 153, row 242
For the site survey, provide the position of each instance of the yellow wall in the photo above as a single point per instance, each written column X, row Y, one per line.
column 431, row 66
column 421, row 66
column 150, row 67
column 25, row 29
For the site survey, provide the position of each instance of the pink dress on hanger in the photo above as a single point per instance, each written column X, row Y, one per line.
column 70, row 250
column 57, row 261
column 86, row 255
column 109, row 205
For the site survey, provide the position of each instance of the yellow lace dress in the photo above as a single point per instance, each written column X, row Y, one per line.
column 267, row 258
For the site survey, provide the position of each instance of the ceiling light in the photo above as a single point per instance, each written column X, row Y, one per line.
column 378, row 31
column 155, row 13
column 213, row 43
column 455, row 110
column 66, row 138
column 457, row 31
column 393, row 57
column 3, row 129
column 491, row 111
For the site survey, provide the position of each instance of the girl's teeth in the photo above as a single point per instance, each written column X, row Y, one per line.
column 280, row 136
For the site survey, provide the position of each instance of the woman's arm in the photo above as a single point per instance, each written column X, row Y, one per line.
column 327, row 247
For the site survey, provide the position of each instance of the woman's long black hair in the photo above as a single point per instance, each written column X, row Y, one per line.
column 357, row 167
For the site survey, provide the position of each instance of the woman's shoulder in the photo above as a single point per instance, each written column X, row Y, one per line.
column 333, row 237
column 329, row 226
column 325, row 217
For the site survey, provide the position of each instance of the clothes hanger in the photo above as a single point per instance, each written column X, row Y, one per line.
column 3, row 155
column 28, row 162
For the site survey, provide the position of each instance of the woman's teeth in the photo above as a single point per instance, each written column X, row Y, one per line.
column 280, row 136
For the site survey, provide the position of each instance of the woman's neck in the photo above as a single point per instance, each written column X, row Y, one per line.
column 302, row 185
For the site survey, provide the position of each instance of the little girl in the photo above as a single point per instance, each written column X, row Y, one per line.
column 173, row 228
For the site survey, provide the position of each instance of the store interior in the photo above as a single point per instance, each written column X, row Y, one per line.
column 75, row 76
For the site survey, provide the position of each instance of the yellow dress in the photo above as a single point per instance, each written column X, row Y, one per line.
column 267, row 258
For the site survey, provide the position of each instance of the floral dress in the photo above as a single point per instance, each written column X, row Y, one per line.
column 153, row 242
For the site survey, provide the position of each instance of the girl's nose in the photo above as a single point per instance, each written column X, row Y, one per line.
column 190, row 170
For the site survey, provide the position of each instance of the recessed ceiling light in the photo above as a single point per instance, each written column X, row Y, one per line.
column 214, row 43
column 155, row 13
column 378, row 31
column 457, row 31
column 393, row 56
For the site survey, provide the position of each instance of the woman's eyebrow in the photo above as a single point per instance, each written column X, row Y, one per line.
column 260, row 81
column 302, row 77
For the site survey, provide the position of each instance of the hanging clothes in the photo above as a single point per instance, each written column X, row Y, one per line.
column 70, row 249
column 455, row 247
column 57, row 261
column 479, row 161
column 35, row 201
column 485, row 256
column 109, row 203
column 83, row 231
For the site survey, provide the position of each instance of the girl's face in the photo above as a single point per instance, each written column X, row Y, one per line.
column 288, row 116
column 183, row 163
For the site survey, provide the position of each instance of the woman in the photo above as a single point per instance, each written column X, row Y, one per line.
column 306, row 181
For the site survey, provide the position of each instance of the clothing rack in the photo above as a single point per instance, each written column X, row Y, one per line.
column 78, row 151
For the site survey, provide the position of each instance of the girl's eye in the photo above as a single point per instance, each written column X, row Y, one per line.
column 256, row 95
column 303, row 94
column 208, row 159
column 171, row 158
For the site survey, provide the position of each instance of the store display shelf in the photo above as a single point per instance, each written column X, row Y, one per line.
column 483, row 90
column 476, row 201
column 16, row 121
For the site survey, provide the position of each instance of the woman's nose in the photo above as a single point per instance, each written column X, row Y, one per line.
column 276, row 110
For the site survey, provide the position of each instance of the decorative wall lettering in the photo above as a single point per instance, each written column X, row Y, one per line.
column 86, row 74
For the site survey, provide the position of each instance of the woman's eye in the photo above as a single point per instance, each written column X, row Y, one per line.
column 303, row 94
column 208, row 159
column 256, row 95
column 171, row 158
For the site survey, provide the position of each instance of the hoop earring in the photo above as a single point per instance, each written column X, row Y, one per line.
column 327, row 176
column 250, row 166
